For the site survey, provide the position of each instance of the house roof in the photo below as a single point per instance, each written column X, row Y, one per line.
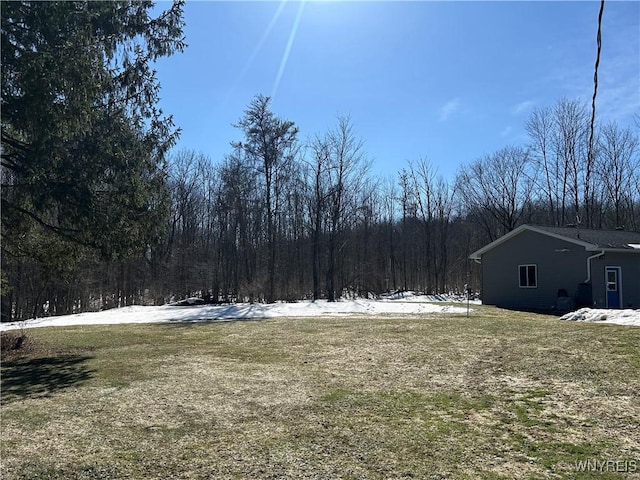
column 590, row 239
column 602, row 239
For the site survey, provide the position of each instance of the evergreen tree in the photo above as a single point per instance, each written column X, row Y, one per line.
column 83, row 141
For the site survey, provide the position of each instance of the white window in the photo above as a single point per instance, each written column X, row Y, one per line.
column 528, row 276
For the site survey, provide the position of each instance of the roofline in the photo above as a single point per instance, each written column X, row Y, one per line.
column 590, row 247
column 615, row 250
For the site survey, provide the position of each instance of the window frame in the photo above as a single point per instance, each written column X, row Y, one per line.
column 527, row 277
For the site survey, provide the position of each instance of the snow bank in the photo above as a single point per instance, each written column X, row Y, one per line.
column 617, row 317
column 409, row 296
column 238, row 311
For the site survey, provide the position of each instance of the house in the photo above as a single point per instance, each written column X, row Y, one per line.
column 560, row 268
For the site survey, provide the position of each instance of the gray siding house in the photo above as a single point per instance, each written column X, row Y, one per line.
column 560, row 268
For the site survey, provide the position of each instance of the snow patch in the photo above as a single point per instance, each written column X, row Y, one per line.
column 617, row 317
column 417, row 305
column 409, row 296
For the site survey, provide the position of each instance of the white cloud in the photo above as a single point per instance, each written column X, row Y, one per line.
column 449, row 108
column 618, row 79
column 522, row 107
column 618, row 87
column 506, row 131
column 619, row 82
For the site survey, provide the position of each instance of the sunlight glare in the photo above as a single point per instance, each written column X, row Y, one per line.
column 287, row 50
column 266, row 33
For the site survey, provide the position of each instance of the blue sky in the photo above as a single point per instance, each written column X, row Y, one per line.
column 446, row 81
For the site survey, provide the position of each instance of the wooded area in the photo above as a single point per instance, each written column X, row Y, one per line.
column 98, row 211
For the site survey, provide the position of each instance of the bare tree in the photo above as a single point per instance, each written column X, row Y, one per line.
column 433, row 199
column 347, row 177
column 317, row 179
column 388, row 220
column 422, row 178
column 271, row 143
column 497, row 188
column 570, row 140
column 338, row 176
column 618, row 163
column 187, row 215
column 540, row 126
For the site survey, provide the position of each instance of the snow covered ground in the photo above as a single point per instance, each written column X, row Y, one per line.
column 617, row 317
column 405, row 303
column 410, row 304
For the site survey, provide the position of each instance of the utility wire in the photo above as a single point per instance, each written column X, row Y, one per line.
column 593, row 110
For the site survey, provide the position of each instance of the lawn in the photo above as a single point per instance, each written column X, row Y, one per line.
column 498, row 395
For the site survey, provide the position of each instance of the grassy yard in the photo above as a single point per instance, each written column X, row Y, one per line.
column 499, row 395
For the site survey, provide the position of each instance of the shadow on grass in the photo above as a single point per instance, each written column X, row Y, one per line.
column 42, row 377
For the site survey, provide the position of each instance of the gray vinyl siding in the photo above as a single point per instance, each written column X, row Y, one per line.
column 630, row 267
column 560, row 265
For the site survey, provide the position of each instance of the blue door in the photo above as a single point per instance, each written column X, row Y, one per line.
column 612, row 277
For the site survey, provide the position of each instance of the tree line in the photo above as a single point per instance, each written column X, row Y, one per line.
column 98, row 211
column 282, row 219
